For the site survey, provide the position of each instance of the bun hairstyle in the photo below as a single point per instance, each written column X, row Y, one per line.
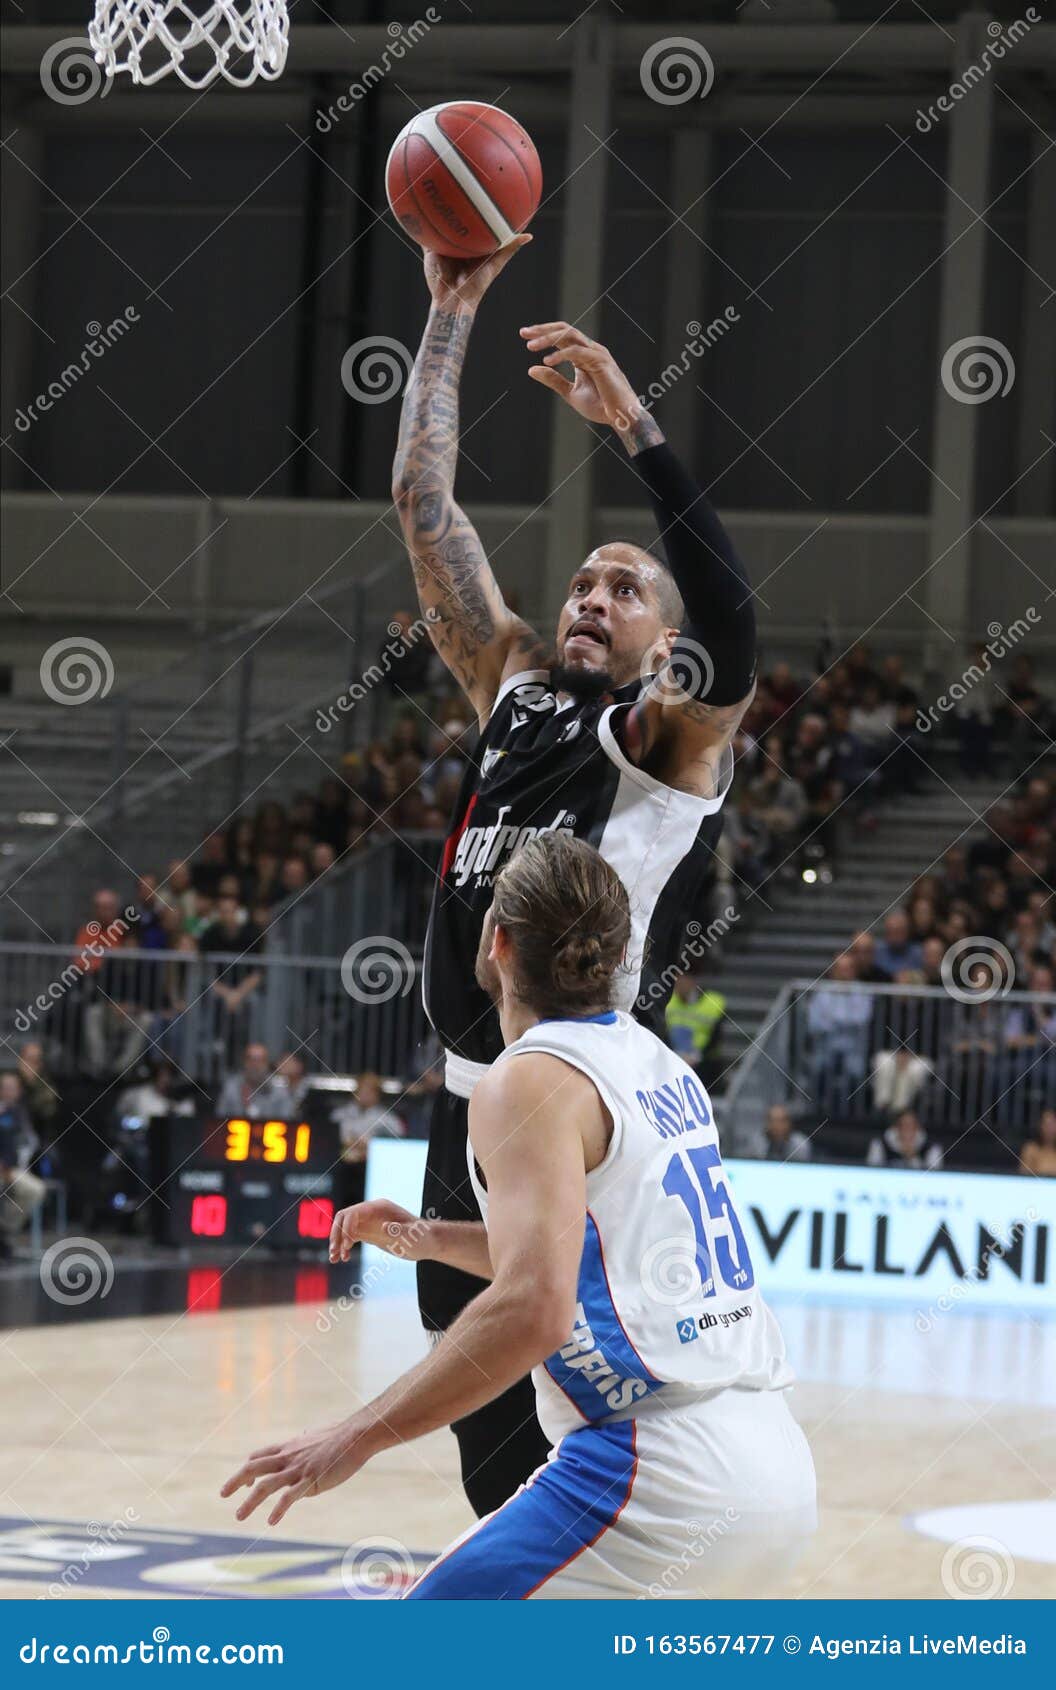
column 568, row 918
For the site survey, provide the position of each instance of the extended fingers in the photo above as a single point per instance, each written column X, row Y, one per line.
column 553, row 334
column 551, row 378
column 261, row 1461
column 287, row 1501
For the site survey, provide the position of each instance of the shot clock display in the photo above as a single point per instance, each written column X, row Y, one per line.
column 236, row 1181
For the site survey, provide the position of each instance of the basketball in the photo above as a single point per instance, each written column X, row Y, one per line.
column 463, row 178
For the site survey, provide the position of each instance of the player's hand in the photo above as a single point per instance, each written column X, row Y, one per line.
column 304, row 1466
column 598, row 390
column 380, row 1223
column 464, row 281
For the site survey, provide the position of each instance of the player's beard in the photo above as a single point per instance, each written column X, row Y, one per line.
column 581, row 682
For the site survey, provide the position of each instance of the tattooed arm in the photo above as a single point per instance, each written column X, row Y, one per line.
column 477, row 635
column 681, row 727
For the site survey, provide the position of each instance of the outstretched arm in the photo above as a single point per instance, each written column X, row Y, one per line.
column 693, row 711
column 472, row 628
column 528, row 1124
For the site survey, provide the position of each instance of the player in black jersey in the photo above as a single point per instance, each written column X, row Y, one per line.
column 619, row 733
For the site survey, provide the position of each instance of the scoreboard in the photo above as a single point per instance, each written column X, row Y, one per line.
column 236, row 1181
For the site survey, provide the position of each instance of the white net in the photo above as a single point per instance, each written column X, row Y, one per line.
column 236, row 39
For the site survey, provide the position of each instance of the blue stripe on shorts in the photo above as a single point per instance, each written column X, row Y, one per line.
column 562, row 1510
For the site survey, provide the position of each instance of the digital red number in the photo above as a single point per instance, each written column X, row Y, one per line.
column 209, row 1215
column 315, row 1217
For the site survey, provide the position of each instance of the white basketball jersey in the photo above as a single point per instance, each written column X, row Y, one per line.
column 667, row 1301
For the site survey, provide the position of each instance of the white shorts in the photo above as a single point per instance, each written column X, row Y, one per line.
column 708, row 1500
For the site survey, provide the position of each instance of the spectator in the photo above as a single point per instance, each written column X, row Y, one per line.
column 905, row 1144
column 838, row 1021
column 291, row 1071
column 150, row 931
column 118, row 1019
column 862, row 952
column 898, row 1076
column 974, row 714
column 358, row 1122
column 323, row 857
column 107, row 927
column 20, row 1190
column 155, row 1094
column 295, row 877
column 898, row 952
column 782, row 1141
column 39, row 1091
column 1038, row 1155
column 872, row 721
column 255, row 1093
column 178, row 891
column 233, row 983
column 210, row 865
column 694, row 1018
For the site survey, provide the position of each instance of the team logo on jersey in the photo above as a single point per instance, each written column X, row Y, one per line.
column 687, row 1331
column 481, row 851
column 489, row 760
column 529, row 699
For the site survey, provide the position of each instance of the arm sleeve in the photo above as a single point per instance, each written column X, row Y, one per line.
column 713, row 582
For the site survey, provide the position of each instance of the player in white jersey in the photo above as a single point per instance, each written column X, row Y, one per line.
column 619, row 1273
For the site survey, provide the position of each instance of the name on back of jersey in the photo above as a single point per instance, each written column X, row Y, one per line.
column 679, row 1106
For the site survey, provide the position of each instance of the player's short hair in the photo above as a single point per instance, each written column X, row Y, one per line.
column 568, row 917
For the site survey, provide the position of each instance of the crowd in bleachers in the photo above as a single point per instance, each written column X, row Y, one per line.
column 979, row 924
column 814, row 752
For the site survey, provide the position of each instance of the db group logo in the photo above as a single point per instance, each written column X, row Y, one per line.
column 57, row 1556
column 687, row 1330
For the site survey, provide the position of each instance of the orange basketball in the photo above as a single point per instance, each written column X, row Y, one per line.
column 463, row 178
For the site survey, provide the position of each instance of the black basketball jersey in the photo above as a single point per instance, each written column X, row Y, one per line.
column 540, row 766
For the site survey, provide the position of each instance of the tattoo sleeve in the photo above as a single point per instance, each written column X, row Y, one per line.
column 470, row 624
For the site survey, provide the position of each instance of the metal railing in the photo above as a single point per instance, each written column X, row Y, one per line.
column 229, row 724
column 851, row 1055
column 134, row 1006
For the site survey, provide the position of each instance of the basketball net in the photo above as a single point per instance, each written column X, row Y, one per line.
column 198, row 39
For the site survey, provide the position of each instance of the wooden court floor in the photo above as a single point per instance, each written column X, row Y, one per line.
column 128, row 1427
